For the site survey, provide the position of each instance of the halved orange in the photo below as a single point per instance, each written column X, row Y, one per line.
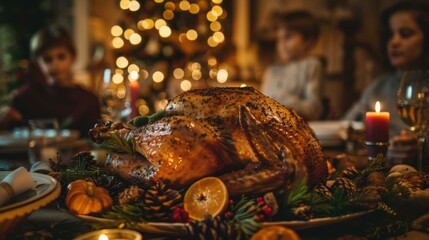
column 275, row 232
column 208, row 196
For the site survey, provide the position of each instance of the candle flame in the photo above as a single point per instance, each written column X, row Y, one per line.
column 103, row 237
column 377, row 106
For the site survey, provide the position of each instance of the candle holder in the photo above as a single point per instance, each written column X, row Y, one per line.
column 376, row 148
column 111, row 234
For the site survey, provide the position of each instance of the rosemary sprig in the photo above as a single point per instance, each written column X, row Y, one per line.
column 143, row 120
column 119, row 144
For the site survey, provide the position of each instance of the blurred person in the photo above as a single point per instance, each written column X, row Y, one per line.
column 405, row 28
column 295, row 81
column 50, row 91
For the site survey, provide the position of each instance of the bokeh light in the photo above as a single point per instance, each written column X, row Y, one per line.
column 211, row 42
column 185, row 85
column 165, row 31
column 143, row 110
column 168, row 14
column 117, row 78
column 145, row 24
column 122, row 62
column 217, row 10
column 158, row 76
column 170, row 6
column 133, row 76
column 117, row 42
column 215, row 26
column 134, row 6
column 222, row 76
column 184, row 5
column 218, row 37
column 194, row 8
column 135, row 38
column 178, row 73
column 160, row 23
column 128, row 33
column 191, row 34
column 116, row 31
column 124, row 4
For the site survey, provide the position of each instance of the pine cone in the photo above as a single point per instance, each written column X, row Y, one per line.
column 303, row 212
column 323, row 190
column 209, row 229
column 84, row 158
column 351, row 173
column 160, row 201
column 349, row 186
column 130, row 195
column 113, row 183
column 367, row 197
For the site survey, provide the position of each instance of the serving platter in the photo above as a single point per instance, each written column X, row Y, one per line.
column 181, row 229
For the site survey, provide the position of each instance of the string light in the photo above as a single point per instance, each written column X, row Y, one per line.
column 178, row 73
column 165, row 31
column 116, row 31
column 184, row 5
column 222, row 76
column 160, row 23
column 191, row 34
column 134, row 6
column 122, row 62
column 117, row 42
column 158, row 76
column 127, row 33
column 194, row 8
column 185, row 85
column 135, row 38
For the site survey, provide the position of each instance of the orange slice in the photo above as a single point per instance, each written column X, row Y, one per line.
column 275, row 232
column 207, row 196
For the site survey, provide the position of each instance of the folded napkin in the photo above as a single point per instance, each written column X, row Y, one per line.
column 15, row 183
column 41, row 167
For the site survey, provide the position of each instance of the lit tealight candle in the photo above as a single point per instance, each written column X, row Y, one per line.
column 103, row 237
column 111, row 234
column 377, row 131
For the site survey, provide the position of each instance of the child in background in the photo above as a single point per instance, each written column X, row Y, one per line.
column 296, row 80
column 50, row 91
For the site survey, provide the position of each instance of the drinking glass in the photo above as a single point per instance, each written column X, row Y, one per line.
column 413, row 106
column 115, row 95
column 43, row 139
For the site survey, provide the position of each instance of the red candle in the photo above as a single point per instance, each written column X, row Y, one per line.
column 377, row 125
column 134, row 91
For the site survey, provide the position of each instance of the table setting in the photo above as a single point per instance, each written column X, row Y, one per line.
column 140, row 191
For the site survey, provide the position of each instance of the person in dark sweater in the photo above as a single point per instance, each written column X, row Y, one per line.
column 50, row 91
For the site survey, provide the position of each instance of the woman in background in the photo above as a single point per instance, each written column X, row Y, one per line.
column 296, row 80
column 406, row 44
column 51, row 93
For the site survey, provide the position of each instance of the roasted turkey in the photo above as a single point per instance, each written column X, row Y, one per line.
column 253, row 143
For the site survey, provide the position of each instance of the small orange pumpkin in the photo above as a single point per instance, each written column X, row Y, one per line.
column 83, row 197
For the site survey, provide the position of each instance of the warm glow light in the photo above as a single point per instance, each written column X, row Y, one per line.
column 195, row 66
column 215, row 26
column 117, row 42
column 169, row 5
column 160, row 23
column 117, row 78
column 222, row 76
column 135, row 38
column 185, row 85
column 158, row 76
column 133, row 67
column 211, row 16
column 133, row 76
column 121, row 92
column 116, row 31
column 158, row 1
column 134, row 6
column 184, row 5
column 217, row 10
column 212, row 61
column 211, row 42
column 103, row 237
column 243, row 85
column 194, row 8
column 128, row 33
column 121, row 62
column 165, row 31
column 144, row 74
column 377, row 106
column 143, row 110
column 146, row 24
column 162, row 103
column 191, row 34
column 196, row 75
column 217, row 1
column 178, row 73
column 182, row 37
column 168, row 14
column 212, row 73
column 124, row 4
column 218, row 37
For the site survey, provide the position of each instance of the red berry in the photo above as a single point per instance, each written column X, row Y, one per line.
column 228, row 214
column 261, row 217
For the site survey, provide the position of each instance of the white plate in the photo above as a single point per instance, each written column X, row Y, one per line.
column 44, row 185
column 330, row 133
column 181, row 229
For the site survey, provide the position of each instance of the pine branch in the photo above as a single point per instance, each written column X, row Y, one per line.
column 143, row 120
column 244, row 219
